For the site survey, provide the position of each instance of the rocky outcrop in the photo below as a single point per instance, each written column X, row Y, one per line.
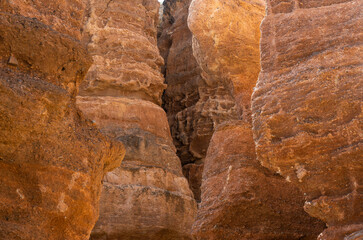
column 308, row 106
column 194, row 106
column 243, row 200
column 148, row 196
column 240, row 198
column 52, row 160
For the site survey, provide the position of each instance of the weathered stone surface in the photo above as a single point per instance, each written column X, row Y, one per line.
column 66, row 17
column 194, row 107
column 52, row 160
column 243, row 200
column 193, row 173
column 128, row 63
column 240, row 198
column 308, row 106
column 148, row 196
column 226, row 45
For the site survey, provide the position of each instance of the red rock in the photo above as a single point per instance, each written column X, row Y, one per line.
column 52, row 160
column 128, row 63
column 243, row 200
column 307, row 106
column 147, row 197
column 240, row 198
column 193, row 105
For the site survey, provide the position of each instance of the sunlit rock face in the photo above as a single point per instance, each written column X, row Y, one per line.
column 147, row 197
column 52, row 160
column 240, row 198
column 307, row 106
column 243, row 200
column 194, row 107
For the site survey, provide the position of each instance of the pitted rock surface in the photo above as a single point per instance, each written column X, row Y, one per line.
column 147, row 197
column 52, row 160
column 307, row 106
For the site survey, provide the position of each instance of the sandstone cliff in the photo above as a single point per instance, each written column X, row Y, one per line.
column 52, row 160
column 147, row 197
column 308, row 106
column 240, row 198
column 194, row 106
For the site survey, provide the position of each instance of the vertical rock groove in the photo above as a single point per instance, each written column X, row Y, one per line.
column 194, row 106
column 307, row 106
column 148, row 196
column 240, row 198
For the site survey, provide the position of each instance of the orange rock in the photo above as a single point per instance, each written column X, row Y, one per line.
column 128, row 63
column 193, row 106
column 148, row 196
column 240, row 198
column 307, row 106
column 52, row 160
column 243, row 200
column 226, row 45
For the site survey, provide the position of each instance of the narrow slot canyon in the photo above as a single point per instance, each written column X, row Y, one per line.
column 181, row 120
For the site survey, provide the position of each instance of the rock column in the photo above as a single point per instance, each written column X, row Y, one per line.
column 52, row 160
column 307, row 107
column 148, row 196
column 194, row 106
column 240, row 198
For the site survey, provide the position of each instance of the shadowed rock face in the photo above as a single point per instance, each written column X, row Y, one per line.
column 194, row 107
column 52, row 160
column 240, row 198
column 148, row 196
column 308, row 106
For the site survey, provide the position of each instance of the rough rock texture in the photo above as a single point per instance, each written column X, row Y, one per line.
column 308, row 106
column 243, row 200
column 129, row 58
column 148, row 196
column 194, row 107
column 52, row 160
column 226, row 45
column 240, row 198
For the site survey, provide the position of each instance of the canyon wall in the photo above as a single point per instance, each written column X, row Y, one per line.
column 307, row 107
column 194, row 106
column 148, row 196
column 52, row 160
column 240, row 198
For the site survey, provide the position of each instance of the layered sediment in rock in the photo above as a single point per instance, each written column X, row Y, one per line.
column 240, row 198
column 308, row 106
column 194, row 107
column 52, row 160
column 243, row 200
column 148, row 196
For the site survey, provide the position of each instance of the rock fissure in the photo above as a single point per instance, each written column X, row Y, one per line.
column 250, row 108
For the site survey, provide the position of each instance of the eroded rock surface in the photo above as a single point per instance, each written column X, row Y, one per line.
column 194, row 107
column 240, row 198
column 52, row 160
column 243, row 200
column 308, row 106
column 148, row 196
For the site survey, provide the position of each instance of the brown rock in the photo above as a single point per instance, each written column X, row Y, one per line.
column 193, row 173
column 243, row 200
column 193, row 106
column 240, row 198
column 128, row 63
column 52, row 160
column 226, row 45
column 66, row 17
column 148, row 196
column 308, row 106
